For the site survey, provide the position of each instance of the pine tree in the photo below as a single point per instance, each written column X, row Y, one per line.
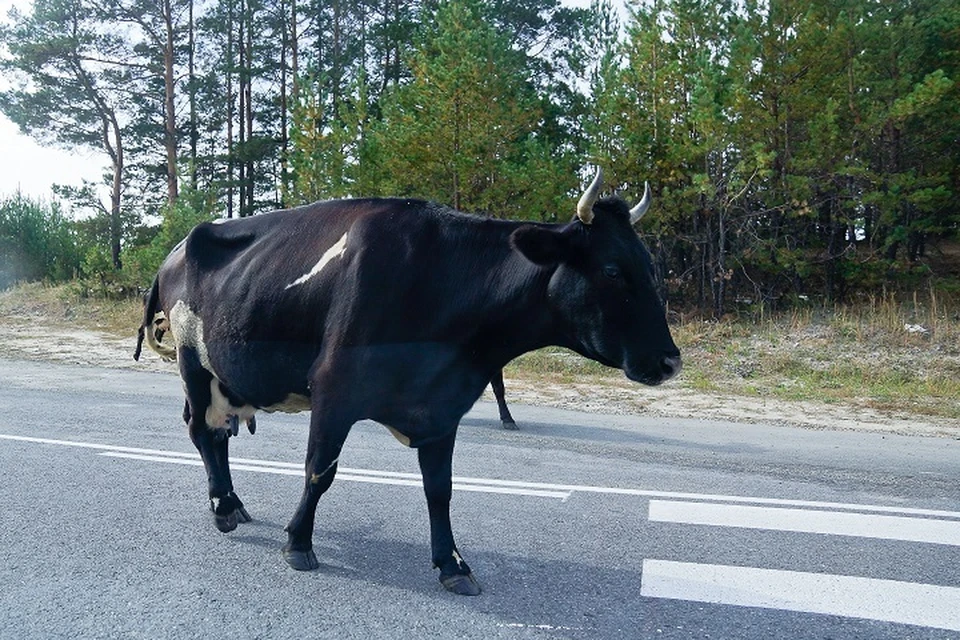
column 458, row 131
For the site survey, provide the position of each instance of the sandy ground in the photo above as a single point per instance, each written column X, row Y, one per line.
column 32, row 339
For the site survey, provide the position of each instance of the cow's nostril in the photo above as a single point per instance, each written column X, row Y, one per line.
column 670, row 367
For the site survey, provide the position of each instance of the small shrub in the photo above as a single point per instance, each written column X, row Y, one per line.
column 37, row 242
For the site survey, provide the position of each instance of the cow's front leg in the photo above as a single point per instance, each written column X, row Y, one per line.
column 436, row 465
column 328, row 431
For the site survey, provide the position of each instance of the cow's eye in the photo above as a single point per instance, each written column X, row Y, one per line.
column 612, row 272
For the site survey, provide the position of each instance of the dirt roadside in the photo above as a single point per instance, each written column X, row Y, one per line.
column 32, row 338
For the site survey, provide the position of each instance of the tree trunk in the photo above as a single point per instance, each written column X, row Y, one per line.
column 242, row 78
column 116, row 227
column 284, row 106
column 229, row 73
column 192, row 89
column 170, row 116
column 114, row 148
column 248, row 104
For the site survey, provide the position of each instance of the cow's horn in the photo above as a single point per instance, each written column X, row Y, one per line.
column 585, row 205
column 641, row 208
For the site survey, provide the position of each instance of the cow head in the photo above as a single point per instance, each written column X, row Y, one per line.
column 601, row 288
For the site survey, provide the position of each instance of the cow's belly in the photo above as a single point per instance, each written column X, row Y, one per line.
column 430, row 408
column 241, row 386
column 223, row 405
column 262, row 375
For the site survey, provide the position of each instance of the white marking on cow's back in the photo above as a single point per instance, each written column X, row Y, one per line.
column 333, row 252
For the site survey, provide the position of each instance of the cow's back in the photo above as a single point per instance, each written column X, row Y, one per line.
column 271, row 291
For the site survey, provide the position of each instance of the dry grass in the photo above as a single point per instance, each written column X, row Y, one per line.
column 63, row 305
column 886, row 354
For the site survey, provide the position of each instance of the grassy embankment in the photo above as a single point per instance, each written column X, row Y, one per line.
column 884, row 354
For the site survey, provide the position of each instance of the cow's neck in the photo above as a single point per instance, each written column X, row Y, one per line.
column 519, row 318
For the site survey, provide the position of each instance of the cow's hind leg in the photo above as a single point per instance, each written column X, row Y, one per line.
column 436, row 465
column 328, row 431
column 226, row 506
column 496, row 383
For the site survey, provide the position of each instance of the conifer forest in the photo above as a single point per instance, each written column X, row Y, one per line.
column 795, row 149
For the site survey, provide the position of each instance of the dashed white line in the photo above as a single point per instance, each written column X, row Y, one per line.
column 854, row 597
column 539, row 627
column 863, row 525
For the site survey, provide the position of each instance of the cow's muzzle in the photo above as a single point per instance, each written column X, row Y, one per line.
column 662, row 370
column 670, row 366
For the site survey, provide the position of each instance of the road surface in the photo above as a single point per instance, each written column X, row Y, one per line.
column 578, row 526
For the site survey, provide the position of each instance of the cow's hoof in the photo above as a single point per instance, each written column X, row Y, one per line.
column 301, row 560
column 226, row 523
column 243, row 515
column 462, row 585
column 228, row 511
column 509, row 425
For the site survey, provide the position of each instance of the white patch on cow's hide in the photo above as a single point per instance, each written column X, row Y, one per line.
column 220, row 409
column 160, row 322
column 187, row 328
column 317, row 477
column 293, row 403
column 403, row 439
column 333, row 252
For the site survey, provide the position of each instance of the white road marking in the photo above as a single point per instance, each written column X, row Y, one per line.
column 333, row 252
column 936, row 606
column 344, row 473
column 883, row 527
column 868, row 598
column 566, row 489
column 540, row 627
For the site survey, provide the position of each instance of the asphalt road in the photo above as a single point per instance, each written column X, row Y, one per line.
column 577, row 526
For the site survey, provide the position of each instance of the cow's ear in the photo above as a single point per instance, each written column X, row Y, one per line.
column 541, row 245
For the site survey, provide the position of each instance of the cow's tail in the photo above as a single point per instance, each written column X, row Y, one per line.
column 154, row 325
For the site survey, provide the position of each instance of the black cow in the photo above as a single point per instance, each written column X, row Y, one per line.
column 397, row 311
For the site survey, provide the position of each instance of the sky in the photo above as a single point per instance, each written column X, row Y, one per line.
column 31, row 169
